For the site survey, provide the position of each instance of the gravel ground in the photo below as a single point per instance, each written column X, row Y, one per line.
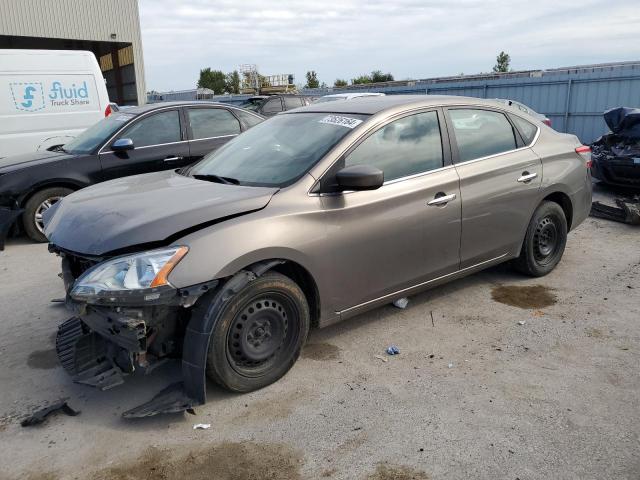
column 499, row 377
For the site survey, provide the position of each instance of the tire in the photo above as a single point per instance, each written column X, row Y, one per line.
column 544, row 242
column 36, row 205
column 257, row 333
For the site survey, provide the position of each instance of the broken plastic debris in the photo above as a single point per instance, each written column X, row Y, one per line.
column 202, row 426
column 401, row 302
column 393, row 350
column 380, row 357
column 521, row 322
column 451, row 365
column 40, row 415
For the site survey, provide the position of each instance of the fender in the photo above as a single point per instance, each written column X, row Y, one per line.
column 192, row 391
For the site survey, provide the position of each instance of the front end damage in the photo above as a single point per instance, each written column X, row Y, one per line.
column 112, row 336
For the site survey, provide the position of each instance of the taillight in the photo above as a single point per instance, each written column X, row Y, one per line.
column 547, row 122
column 107, row 111
column 585, row 152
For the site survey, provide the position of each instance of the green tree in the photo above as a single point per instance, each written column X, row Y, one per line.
column 312, row 80
column 502, row 63
column 361, row 79
column 378, row 76
column 212, row 79
column 340, row 83
column 232, row 82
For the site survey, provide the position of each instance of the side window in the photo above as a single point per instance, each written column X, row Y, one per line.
column 163, row 127
column 401, row 148
column 248, row 119
column 527, row 129
column 292, row 102
column 480, row 133
column 212, row 122
column 273, row 106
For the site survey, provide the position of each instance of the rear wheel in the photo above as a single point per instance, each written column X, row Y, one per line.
column 35, row 207
column 544, row 242
column 258, row 333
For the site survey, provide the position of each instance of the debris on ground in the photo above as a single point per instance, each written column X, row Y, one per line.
column 39, row 416
column 401, row 303
column 380, row 357
column 628, row 210
column 521, row 322
column 393, row 350
column 450, row 365
column 616, row 155
column 202, row 426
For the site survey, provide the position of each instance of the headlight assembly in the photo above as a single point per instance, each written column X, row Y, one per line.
column 129, row 273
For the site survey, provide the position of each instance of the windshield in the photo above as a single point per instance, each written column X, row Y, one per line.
column 253, row 104
column 94, row 136
column 278, row 151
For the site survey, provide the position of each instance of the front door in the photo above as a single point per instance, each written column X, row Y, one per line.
column 407, row 231
column 158, row 145
column 499, row 181
column 209, row 129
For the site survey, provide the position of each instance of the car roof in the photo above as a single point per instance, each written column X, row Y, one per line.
column 154, row 106
column 370, row 105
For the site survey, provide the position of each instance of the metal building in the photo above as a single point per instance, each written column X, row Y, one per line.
column 108, row 28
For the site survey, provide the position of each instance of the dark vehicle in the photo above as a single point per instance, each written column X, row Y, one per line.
column 310, row 218
column 131, row 141
column 616, row 155
column 269, row 105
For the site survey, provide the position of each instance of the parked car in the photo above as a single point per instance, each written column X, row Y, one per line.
column 616, row 155
column 136, row 140
column 269, row 105
column 528, row 110
column 47, row 97
column 346, row 96
column 305, row 220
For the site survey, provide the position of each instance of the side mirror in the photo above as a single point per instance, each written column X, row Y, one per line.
column 360, row 177
column 122, row 144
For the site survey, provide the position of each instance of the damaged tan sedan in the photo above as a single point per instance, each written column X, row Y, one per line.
column 309, row 218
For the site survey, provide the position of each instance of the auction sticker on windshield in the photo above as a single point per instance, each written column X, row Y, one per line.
column 341, row 121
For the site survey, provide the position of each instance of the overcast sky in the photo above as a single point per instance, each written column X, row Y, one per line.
column 409, row 38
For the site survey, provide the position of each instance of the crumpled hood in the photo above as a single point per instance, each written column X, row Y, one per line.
column 142, row 209
column 29, row 159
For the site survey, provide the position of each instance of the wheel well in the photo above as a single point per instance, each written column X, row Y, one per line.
column 305, row 281
column 564, row 201
column 61, row 184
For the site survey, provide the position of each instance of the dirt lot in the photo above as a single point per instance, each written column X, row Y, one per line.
column 473, row 394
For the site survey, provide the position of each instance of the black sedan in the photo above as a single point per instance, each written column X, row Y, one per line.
column 136, row 140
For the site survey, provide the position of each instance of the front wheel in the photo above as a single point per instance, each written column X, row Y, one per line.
column 544, row 242
column 35, row 207
column 257, row 334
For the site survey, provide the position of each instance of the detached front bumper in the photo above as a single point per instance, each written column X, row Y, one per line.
column 8, row 217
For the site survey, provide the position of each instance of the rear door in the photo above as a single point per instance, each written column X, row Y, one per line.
column 209, row 128
column 407, row 231
column 159, row 143
column 499, row 181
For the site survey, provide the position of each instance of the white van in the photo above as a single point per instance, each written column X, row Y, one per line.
column 47, row 97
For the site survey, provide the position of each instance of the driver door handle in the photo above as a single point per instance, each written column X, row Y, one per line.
column 172, row 159
column 527, row 177
column 442, row 200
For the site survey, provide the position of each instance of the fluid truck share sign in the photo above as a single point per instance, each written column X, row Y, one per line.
column 41, row 93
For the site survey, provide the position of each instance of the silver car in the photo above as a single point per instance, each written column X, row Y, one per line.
column 307, row 219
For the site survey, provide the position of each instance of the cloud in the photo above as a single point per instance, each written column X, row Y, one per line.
column 409, row 38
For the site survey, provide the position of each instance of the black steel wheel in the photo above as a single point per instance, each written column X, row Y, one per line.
column 544, row 242
column 258, row 333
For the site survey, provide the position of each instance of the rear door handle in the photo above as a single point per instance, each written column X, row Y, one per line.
column 442, row 200
column 527, row 177
column 172, row 159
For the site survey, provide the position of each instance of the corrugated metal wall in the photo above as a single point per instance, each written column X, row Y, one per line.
column 79, row 20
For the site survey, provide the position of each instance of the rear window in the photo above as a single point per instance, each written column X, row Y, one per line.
column 212, row 122
column 527, row 129
column 481, row 133
column 248, row 119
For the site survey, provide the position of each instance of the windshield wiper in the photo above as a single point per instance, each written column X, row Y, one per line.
column 217, row 179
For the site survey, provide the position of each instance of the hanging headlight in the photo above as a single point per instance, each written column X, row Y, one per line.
column 129, row 273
